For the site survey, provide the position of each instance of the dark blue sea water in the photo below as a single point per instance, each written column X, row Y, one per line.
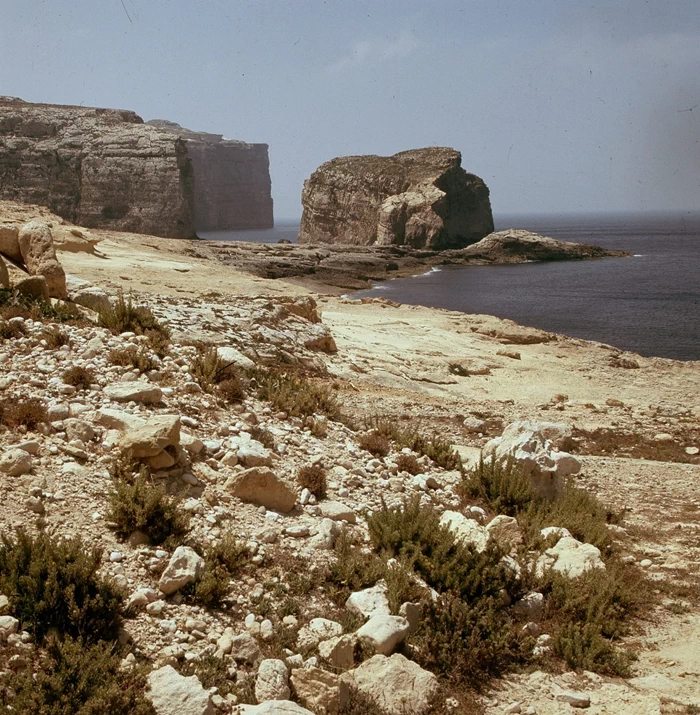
column 649, row 304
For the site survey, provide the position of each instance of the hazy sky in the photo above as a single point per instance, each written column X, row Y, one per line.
column 559, row 105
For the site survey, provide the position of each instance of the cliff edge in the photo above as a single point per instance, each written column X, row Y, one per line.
column 421, row 198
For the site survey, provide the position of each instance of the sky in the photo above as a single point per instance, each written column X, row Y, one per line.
column 559, row 105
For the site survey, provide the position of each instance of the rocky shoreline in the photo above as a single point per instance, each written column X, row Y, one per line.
column 338, row 268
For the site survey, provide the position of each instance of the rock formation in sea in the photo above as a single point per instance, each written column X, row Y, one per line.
column 106, row 168
column 232, row 180
column 421, row 198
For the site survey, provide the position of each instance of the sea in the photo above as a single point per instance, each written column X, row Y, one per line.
column 648, row 303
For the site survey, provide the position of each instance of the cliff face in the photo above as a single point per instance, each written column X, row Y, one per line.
column 232, row 180
column 420, row 198
column 101, row 168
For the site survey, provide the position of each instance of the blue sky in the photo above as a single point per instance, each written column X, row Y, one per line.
column 559, row 105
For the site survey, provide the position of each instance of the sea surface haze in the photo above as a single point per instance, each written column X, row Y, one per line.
column 648, row 304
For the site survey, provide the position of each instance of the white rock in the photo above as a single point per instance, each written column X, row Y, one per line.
column 15, row 462
column 369, row 602
column 384, row 632
column 337, row 511
column 134, row 391
column 317, row 630
column 271, row 682
column 173, row 693
column 465, row 530
column 570, row 558
column 274, row 707
column 185, row 566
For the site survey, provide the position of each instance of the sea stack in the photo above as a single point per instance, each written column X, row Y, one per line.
column 421, row 198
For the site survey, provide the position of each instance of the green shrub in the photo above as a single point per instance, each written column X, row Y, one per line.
column 232, row 389
column 15, row 305
column 27, row 412
column 209, row 371
column 139, row 505
column 124, row 316
column 374, row 443
column 296, row 395
column 79, row 377
column 138, row 359
column 313, row 478
column 55, row 585
column 222, row 561
column 412, row 533
column 409, row 463
column 353, row 568
column 583, row 647
column 500, row 485
column 212, row 672
column 435, row 447
column 76, row 679
column 464, row 641
column 55, row 337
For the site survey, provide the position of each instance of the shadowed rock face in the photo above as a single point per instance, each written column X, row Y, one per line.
column 100, row 168
column 421, row 198
column 106, row 168
column 232, row 180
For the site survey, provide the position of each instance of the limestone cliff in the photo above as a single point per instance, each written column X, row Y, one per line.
column 421, row 198
column 96, row 167
column 232, row 180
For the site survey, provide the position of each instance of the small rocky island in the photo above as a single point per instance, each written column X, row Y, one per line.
column 421, row 198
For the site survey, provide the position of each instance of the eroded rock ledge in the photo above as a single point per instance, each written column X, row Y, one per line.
column 421, row 198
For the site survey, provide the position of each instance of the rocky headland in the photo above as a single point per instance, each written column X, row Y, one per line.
column 277, row 592
column 421, row 198
column 106, row 168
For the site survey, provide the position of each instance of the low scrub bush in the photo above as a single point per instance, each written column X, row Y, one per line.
column 75, row 679
column 353, row 568
column 583, row 647
column 375, row 443
column 123, row 316
column 409, row 463
column 55, row 337
column 313, row 478
column 412, row 533
column 296, row 395
column 27, row 412
column 465, row 641
column 14, row 305
column 210, row 371
column 79, row 377
column 433, row 446
column 500, row 486
column 212, row 672
column 222, row 561
column 262, row 435
column 10, row 331
column 55, row 585
column 138, row 359
column 138, row 505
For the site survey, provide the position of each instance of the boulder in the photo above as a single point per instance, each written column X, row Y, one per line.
column 15, row 462
column 261, row 486
column 396, row 684
column 505, row 531
column 151, row 438
column 171, row 693
column 8, row 627
column 134, row 391
column 534, row 447
column 9, row 241
column 530, row 606
column 185, row 566
column 244, row 648
column 231, row 356
column 384, row 632
column 317, row 630
column 570, row 558
column 271, row 681
column 252, row 453
column 337, row 511
column 339, row 651
column 468, row 531
column 421, row 198
column 370, row 601
column 33, row 287
column 319, row 690
column 39, row 256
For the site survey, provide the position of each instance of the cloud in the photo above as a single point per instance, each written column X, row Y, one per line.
column 368, row 52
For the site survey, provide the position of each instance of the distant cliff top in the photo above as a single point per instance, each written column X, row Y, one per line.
column 192, row 135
